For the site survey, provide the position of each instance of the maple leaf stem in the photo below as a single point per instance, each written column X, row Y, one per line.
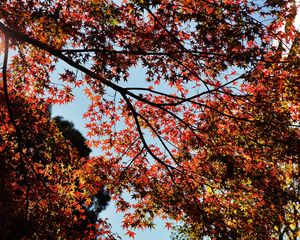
column 139, row 52
column 126, row 151
column 135, row 116
column 130, row 163
column 177, row 41
column 217, row 89
column 161, row 107
column 153, row 53
column 159, row 137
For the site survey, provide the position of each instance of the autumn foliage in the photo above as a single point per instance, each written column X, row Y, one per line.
column 207, row 135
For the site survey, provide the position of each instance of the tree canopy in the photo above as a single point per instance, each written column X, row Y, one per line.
column 208, row 136
column 42, row 186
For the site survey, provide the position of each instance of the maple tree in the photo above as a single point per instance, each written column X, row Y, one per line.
column 208, row 137
column 42, row 193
